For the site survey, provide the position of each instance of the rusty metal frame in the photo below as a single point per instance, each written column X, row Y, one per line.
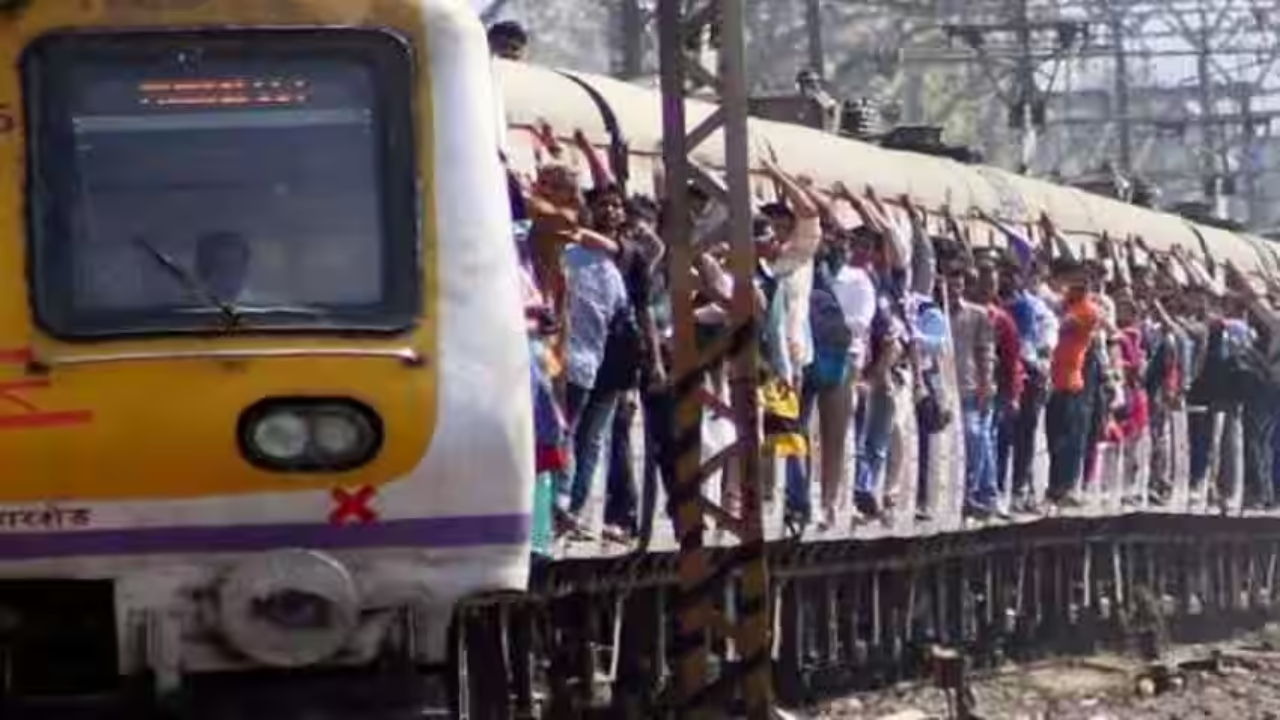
column 704, row 576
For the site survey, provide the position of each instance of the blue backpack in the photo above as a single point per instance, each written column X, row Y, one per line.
column 832, row 337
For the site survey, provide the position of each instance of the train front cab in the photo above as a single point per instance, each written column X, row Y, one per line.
column 263, row 376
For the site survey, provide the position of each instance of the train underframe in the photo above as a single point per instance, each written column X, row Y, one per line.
column 593, row 638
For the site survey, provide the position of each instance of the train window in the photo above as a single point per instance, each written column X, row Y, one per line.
column 198, row 182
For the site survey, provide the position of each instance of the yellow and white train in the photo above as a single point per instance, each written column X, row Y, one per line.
column 264, row 384
column 263, row 371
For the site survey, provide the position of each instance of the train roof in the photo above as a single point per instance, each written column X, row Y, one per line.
column 569, row 101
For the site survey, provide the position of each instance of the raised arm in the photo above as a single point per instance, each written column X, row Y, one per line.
column 601, row 175
column 820, row 200
column 798, row 249
column 865, row 210
column 1165, row 318
column 797, row 197
column 1258, row 305
column 1196, row 272
column 1052, row 243
column 897, row 233
column 547, row 142
column 1020, row 238
column 924, row 273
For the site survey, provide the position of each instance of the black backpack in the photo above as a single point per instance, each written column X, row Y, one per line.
column 1230, row 377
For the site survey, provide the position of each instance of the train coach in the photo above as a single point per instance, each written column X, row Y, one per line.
column 625, row 121
column 860, row 606
column 263, row 374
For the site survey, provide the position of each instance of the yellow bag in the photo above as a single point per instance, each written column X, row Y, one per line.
column 780, row 405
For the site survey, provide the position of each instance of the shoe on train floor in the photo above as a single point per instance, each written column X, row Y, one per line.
column 1068, row 499
column 866, row 504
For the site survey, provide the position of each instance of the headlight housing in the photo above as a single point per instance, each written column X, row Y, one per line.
column 310, row 435
column 289, row 608
column 282, row 436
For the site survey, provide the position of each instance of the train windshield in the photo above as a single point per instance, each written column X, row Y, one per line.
column 193, row 183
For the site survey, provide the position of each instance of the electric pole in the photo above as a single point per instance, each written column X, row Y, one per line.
column 1026, row 90
column 1017, row 86
column 1208, row 131
column 632, row 28
column 1120, row 103
column 813, row 24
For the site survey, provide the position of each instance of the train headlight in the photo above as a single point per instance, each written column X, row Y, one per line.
column 310, row 435
column 289, row 609
column 281, row 436
column 341, row 434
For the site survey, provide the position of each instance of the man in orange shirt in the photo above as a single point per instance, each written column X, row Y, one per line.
column 1066, row 417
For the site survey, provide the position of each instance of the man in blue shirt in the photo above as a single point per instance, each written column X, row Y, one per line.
column 1038, row 331
column 932, row 335
column 597, row 302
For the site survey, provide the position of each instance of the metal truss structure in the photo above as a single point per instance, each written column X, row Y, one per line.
column 1180, row 92
column 726, row 600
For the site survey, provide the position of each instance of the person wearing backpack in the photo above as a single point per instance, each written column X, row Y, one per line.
column 827, row 381
column 630, row 358
column 1258, row 376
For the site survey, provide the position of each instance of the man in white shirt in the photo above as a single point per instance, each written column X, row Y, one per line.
column 798, row 229
column 855, row 290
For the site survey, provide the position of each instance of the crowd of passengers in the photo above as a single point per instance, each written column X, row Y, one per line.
column 882, row 326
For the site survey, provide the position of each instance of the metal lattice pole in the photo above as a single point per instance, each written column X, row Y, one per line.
column 702, row 577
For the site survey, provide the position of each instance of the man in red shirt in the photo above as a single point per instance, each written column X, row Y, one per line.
column 1010, row 375
column 1066, row 418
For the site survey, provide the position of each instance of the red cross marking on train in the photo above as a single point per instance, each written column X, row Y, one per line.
column 15, row 356
column 18, row 412
column 354, row 507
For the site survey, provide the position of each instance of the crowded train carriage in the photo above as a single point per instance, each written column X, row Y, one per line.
column 997, row 409
column 389, row 374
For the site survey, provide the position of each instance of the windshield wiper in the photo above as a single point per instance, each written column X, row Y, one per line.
column 265, row 309
column 192, row 284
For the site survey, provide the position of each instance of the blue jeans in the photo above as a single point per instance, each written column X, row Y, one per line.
column 980, row 452
column 924, row 448
column 1003, row 422
column 873, row 440
column 621, row 494
column 1066, row 424
column 1275, row 453
column 1259, row 427
column 799, row 508
column 592, row 428
column 1200, row 441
